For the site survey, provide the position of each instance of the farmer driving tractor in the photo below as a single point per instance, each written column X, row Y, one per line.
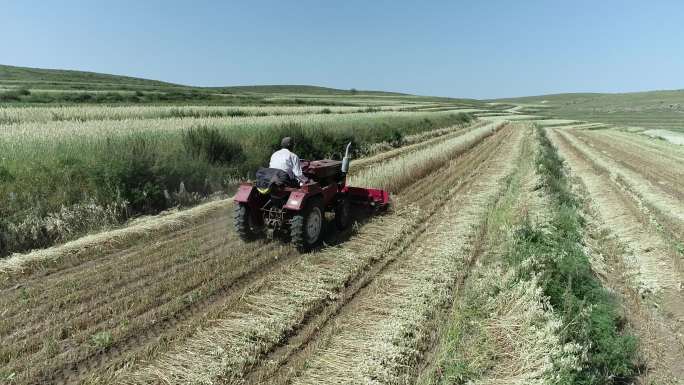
column 287, row 161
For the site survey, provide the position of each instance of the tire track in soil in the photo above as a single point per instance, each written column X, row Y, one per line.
column 653, row 270
column 74, row 372
column 287, row 360
column 395, row 246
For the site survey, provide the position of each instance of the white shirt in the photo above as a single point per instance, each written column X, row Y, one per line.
column 288, row 161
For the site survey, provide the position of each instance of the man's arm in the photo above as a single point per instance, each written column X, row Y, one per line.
column 297, row 169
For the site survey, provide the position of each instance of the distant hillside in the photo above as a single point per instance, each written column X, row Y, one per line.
column 650, row 109
column 649, row 99
column 31, row 86
column 301, row 89
column 53, row 79
column 57, row 79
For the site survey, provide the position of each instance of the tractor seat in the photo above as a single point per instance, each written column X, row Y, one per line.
column 270, row 179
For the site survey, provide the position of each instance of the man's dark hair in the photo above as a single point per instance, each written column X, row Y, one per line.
column 287, row 142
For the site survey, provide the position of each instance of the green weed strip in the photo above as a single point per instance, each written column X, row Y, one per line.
column 537, row 313
column 590, row 314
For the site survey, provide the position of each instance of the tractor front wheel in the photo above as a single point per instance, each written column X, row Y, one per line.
column 306, row 227
column 244, row 223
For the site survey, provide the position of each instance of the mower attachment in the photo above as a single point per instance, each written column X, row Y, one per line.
column 375, row 198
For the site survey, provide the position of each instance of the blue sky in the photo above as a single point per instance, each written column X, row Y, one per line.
column 482, row 49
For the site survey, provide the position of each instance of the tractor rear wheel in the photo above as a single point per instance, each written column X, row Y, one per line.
column 343, row 213
column 306, row 227
column 244, row 223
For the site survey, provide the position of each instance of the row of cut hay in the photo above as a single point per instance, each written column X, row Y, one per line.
column 95, row 112
column 663, row 169
column 626, row 215
column 655, row 147
column 668, row 156
column 384, row 332
column 394, row 175
column 141, row 300
column 235, row 341
column 503, row 332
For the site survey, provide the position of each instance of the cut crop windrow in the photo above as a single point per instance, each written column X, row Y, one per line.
column 590, row 314
column 665, row 204
column 575, row 334
column 500, row 330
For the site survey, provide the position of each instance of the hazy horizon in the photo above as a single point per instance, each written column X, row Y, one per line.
column 482, row 51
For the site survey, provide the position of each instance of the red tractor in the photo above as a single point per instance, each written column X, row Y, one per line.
column 298, row 213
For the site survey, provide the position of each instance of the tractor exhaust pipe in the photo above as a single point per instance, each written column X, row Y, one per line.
column 346, row 159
